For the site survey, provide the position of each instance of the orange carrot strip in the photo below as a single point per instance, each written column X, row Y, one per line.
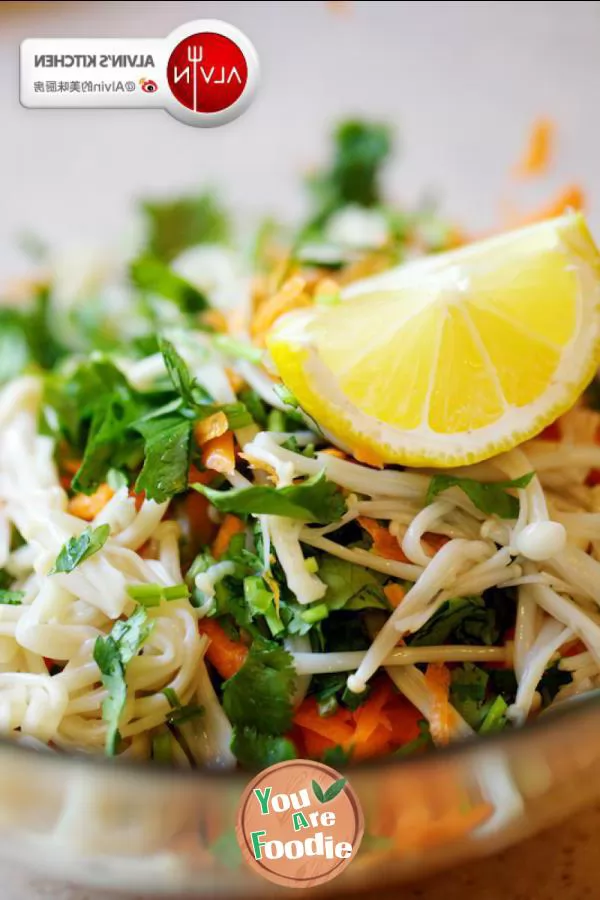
column 368, row 457
column 370, row 714
column 87, row 507
column 384, row 543
column 210, row 427
column 377, row 744
column 218, row 454
column 404, row 719
column 536, row 158
column 229, row 527
column 225, row 655
column 292, row 295
column 236, row 381
column 434, row 542
column 395, row 593
column 202, row 528
column 437, row 677
column 334, row 451
column 337, row 728
column 571, row 197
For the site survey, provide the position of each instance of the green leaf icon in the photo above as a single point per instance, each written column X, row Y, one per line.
column 318, row 792
column 334, row 789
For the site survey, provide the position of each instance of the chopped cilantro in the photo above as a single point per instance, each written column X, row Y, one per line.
column 314, row 500
column 78, row 549
column 112, row 655
column 489, row 497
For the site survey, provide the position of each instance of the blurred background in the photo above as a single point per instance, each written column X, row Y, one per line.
column 462, row 83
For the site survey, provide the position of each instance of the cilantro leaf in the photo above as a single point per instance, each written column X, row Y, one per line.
column 489, row 497
column 360, row 149
column 11, row 598
column 166, row 458
column 107, row 444
column 78, row 549
column 112, row 673
column 467, row 692
column 551, row 682
column 178, row 371
column 350, row 586
column 129, row 634
column 260, row 694
column 184, row 222
column 446, row 625
column 336, row 757
column 112, row 654
column 315, row 500
column 148, row 273
column 255, row 750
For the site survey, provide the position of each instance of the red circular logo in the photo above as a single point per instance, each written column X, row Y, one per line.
column 207, row 72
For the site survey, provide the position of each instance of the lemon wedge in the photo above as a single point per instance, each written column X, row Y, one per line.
column 452, row 358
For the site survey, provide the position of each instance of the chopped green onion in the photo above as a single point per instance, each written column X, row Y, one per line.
column 171, row 695
column 315, row 613
column 276, row 420
column 116, row 479
column 495, row 717
column 162, row 748
column 285, row 395
column 257, row 596
column 230, row 346
column 150, row 595
column 183, row 714
column 237, row 415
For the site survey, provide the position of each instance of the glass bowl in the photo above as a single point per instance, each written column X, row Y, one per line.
column 145, row 828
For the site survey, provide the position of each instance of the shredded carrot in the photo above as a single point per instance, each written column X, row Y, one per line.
column 87, row 507
column 71, row 466
column 229, row 527
column 538, row 152
column 434, row 542
column 218, row 454
column 292, row 295
column 236, row 382
column 259, row 464
column 370, row 714
column 368, row 457
column 395, row 593
column 338, row 728
column 210, row 427
column 333, row 451
column 202, row 528
column 139, row 497
column 574, row 648
column 384, row 543
column 384, row 721
column 225, row 655
column 437, row 677
column 215, row 319
column 572, row 197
